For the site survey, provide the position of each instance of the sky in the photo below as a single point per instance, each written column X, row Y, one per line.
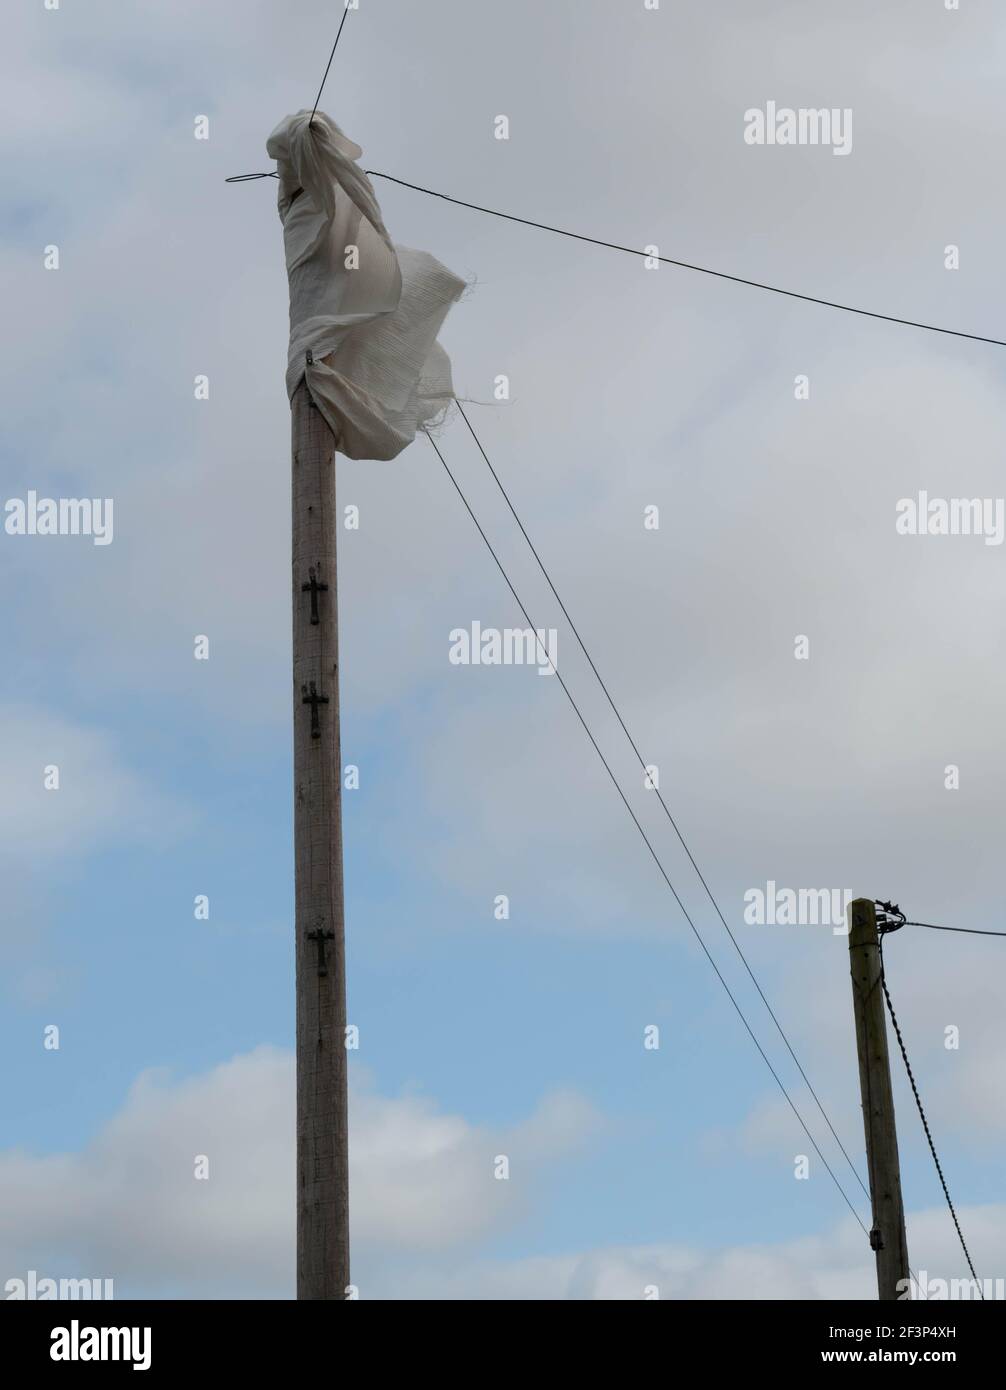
column 631, row 1168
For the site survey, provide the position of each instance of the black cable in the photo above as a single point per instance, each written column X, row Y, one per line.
column 665, row 260
column 335, row 45
column 663, row 803
column 248, row 178
column 972, row 931
column 646, row 841
column 922, row 1113
column 685, row 265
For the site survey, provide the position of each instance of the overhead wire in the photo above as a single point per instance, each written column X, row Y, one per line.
column 663, row 260
column 328, row 65
column 971, row 931
column 687, row 265
column 646, row 840
column 660, row 798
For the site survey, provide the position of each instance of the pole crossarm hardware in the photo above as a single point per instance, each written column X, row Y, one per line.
column 889, row 917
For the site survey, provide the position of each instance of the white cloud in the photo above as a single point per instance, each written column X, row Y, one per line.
column 836, row 1265
column 128, row 1206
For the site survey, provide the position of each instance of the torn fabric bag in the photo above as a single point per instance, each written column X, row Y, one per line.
column 367, row 312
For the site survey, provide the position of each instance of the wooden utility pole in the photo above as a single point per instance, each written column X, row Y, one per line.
column 888, row 1235
column 322, row 1127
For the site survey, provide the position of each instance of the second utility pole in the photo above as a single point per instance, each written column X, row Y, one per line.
column 888, row 1235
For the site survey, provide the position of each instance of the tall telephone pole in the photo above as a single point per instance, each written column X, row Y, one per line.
column 364, row 373
column 322, row 1126
column 888, row 1234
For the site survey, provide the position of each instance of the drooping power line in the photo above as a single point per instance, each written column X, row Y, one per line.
column 664, row 260
column 686, row 265
column 663, row 804
column 646, row 840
